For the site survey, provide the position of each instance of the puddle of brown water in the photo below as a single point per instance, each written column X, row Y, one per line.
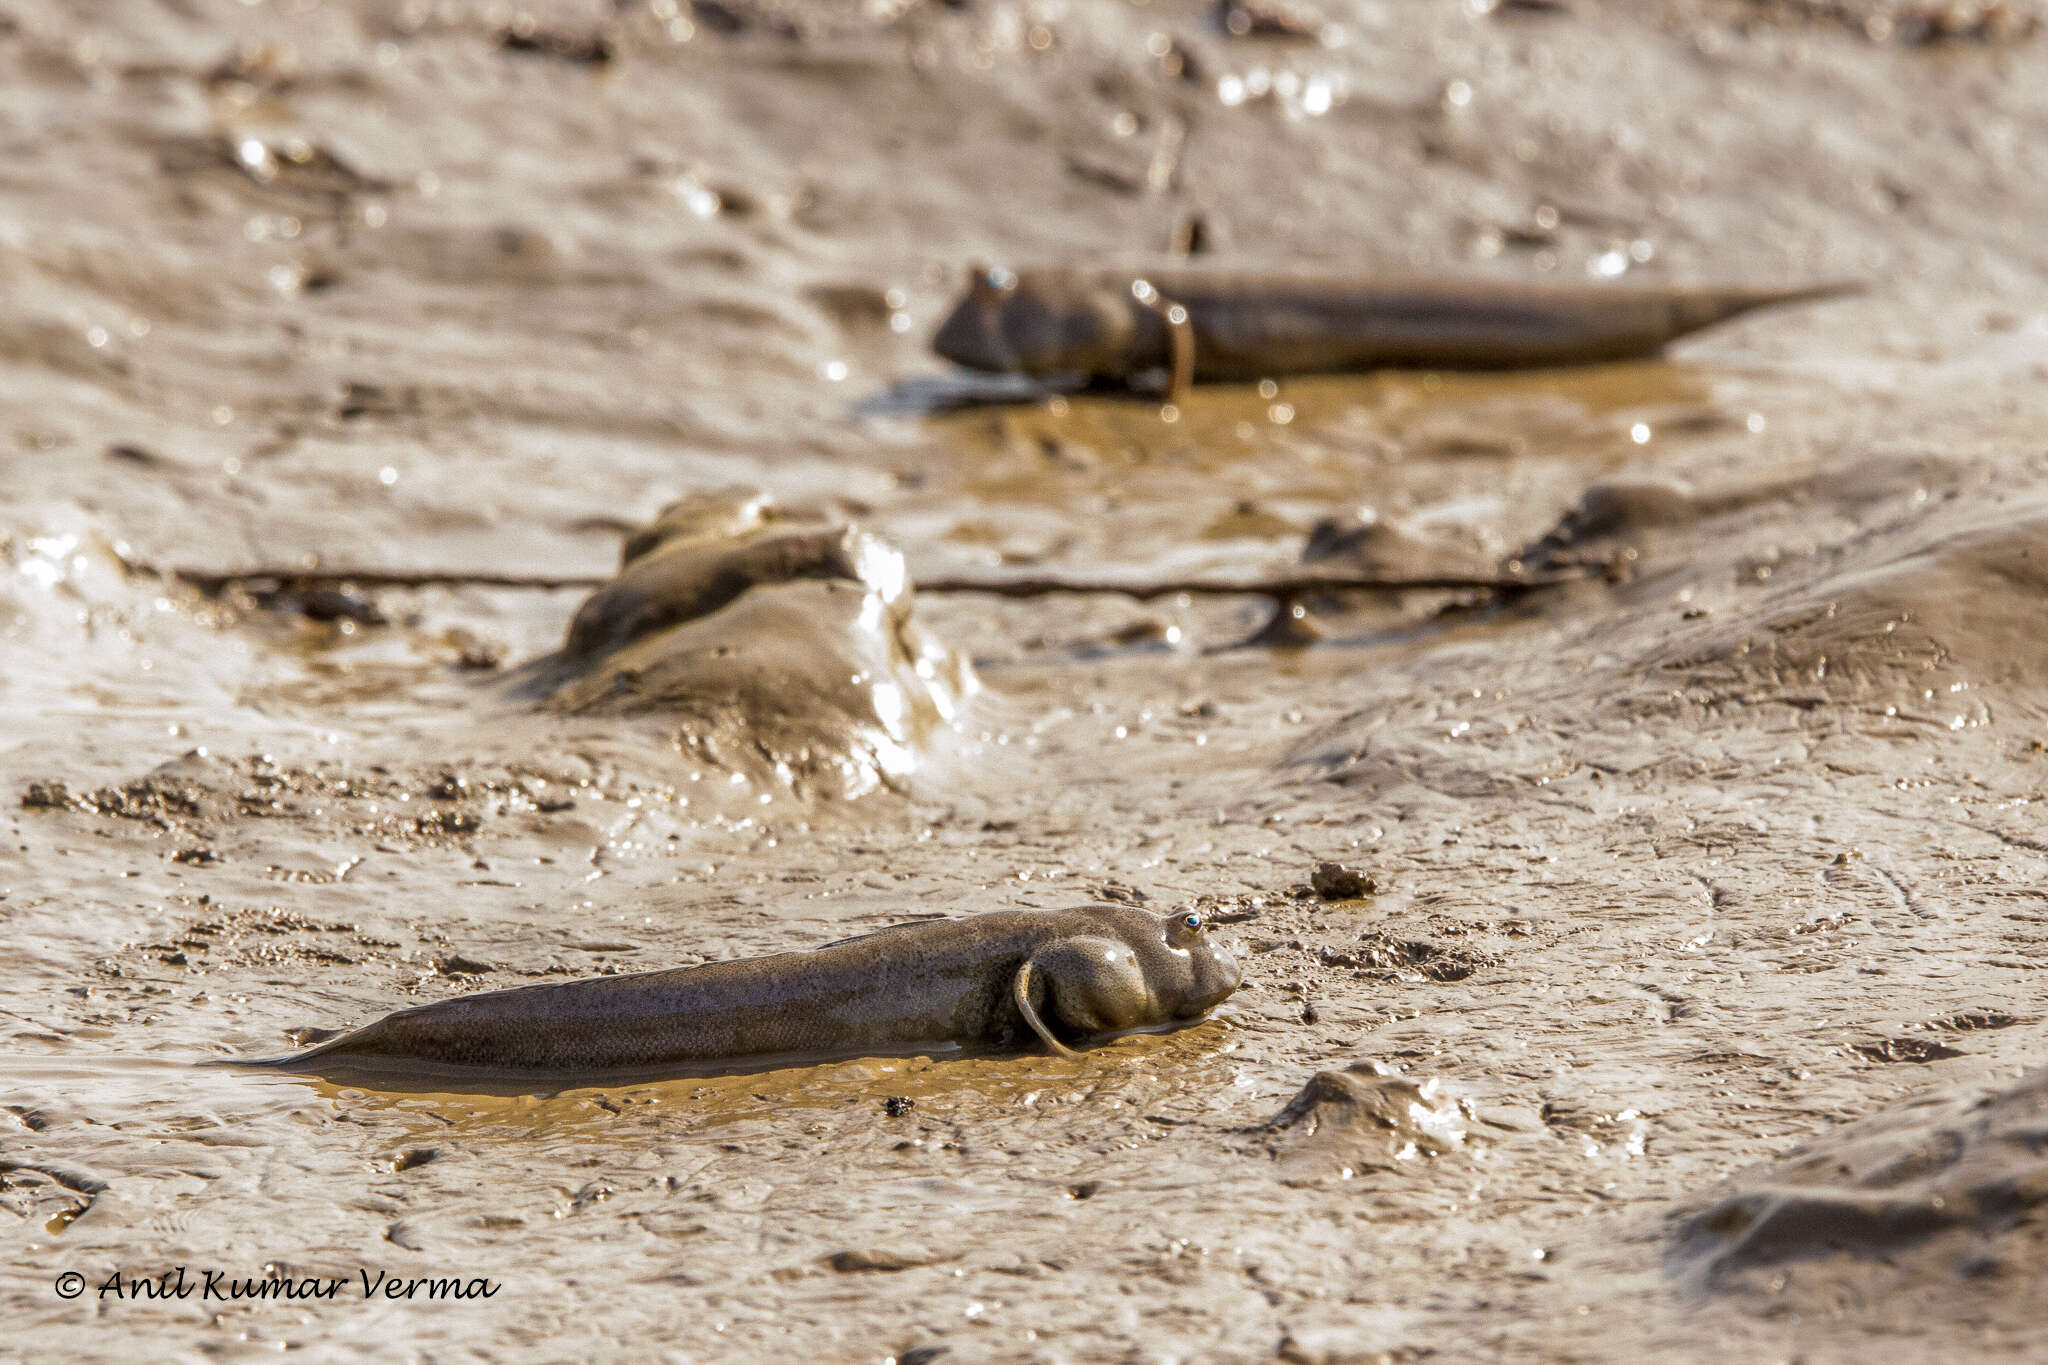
column 510, row 1108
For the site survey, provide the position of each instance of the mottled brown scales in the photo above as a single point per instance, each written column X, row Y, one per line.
column 990, row 980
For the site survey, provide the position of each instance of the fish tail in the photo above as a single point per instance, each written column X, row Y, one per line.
column 351, row 1041
column 288, row 1063
column 1703, row 308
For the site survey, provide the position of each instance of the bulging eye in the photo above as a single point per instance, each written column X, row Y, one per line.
column 1192, row 921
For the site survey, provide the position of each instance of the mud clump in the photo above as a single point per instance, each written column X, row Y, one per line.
column 1937, row 1185
column 578, row 49
column 785, row 644
column 45, row 796
column 1336, row 882
column 158, row 801
column 1366, row 1117
column 1373, row 544
column 1436, row 961
column 1914, row 1050
column 1606, row 527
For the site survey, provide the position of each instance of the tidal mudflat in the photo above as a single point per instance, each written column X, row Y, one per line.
column 1683, row 998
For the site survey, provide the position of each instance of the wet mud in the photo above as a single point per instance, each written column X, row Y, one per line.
column 1913, row 1222
column 1698, row 895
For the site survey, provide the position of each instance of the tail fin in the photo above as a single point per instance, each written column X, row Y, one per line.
column 1695, row 309
column 290, row 1062
column 324, row 1043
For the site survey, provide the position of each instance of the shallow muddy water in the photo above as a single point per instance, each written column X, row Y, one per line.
column 1702, row 960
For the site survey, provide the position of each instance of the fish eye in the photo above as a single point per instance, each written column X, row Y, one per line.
column 1000, row 280
column 1192, row 921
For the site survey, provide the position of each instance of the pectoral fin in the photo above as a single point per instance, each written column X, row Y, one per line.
column 1180, row 336
column 1020, row 990
column 1180, row 345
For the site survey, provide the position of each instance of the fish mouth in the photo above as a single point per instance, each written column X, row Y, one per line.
column 1218, row 982
column 971, row 336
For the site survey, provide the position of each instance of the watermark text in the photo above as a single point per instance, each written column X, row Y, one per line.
column 223, row 1286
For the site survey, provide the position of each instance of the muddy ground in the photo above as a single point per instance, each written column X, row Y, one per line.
column 1695, row 1011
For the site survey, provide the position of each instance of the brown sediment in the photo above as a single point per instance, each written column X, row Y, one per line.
column 1681, row 876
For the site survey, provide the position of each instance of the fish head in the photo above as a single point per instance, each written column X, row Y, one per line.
column 1208, row 969
column 1039, row 323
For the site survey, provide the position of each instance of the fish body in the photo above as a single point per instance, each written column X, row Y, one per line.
column 991, row 980
column 1215, row 325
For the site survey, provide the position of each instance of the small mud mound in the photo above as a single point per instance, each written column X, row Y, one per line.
column 785, row 645
column 1611, row 522
column 1645, row 523
column 1937, row 1189
column 1366, row 541
column 1366, row 1117
column 1922, row 617
column 46, row 1195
